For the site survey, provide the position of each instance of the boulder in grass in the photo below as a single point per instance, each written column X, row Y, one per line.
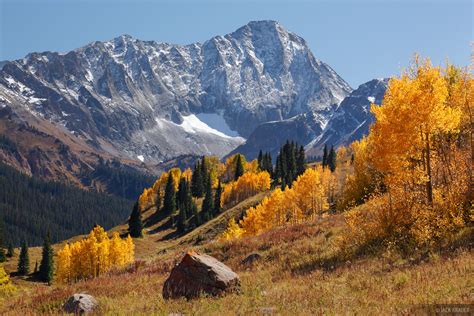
column 198, row 274
column 80, row 304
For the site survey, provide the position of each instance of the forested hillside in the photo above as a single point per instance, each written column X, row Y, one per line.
column 117, row 179
column 31, row 207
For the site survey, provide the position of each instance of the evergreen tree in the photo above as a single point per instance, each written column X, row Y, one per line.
column 239, row 167
column 332, row 159
column 11, row 251
column 182, row 219
column 182, row 193
column 135, row 224
column 325, row 156
column 277, row 174
column 260, row 160
column 204, row 172
column 196, row 181
column 169, row 201
column 194, row 211
column 207, row 204
column 3, row 256
column 217, row 199
column 300, row 161
column 24, row 260
column 268, row 163
column 46, row 269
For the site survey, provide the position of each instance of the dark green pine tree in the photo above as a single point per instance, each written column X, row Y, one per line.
column 181, row 197
column 204, row 172
column 332, row 159
column 277, row 174
column 268, row 163
column 207, row 204
column 197, row 187
column 46, row 268
column 3, row 255
column 182, row 219
column 169, row 201
column 217, row 199
column 300, row 161
column 325, row 156
column 195, row 214
column 260, row 160
column 11, row 251
column 135, row 224
column 24, row 260
column 239, row 167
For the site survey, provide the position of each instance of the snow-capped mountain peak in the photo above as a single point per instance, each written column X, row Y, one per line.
column 113, row 92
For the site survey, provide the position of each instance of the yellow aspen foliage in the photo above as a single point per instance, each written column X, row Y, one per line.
column 304, row 201
column 146, row 199
column 247, row 185
column 93, row 256
column 233, row 231
column 6, row 286
column 251, row 166
column 310, row 193
column 413, row 112
column 230, row 166
column 419, row 146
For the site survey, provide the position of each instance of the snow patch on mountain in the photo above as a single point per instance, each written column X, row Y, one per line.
column 217, row 121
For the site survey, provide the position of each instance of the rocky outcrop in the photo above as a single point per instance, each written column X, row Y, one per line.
column 199, row 274
column 352, row 118
column 80, row 304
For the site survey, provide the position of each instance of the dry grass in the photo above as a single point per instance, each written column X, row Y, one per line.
column 293, row 277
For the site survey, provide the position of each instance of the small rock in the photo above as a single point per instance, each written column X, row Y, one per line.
column 197, row 274
column 250, row 259
column 80, row 304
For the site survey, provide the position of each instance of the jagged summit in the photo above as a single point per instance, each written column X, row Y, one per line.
column 146, row 99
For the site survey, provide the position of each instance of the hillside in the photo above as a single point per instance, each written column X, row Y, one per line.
column 30, row 207
column 294, row 276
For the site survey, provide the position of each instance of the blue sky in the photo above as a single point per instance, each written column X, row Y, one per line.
column 361, row 40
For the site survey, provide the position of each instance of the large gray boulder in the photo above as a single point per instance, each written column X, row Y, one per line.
column 80, row 304
column 198, row 274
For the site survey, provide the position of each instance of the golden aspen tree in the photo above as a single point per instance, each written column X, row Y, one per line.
column 93, row 256
column 63, row 270
column 310, row 193
column 247, row 185
column 413, row 111
column 6, row 286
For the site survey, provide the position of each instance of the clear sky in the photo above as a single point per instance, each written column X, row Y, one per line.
column 361, row 40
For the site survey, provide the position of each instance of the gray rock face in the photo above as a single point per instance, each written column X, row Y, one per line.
column 80, row 304
column 352, row 118
column 137, row 97
column 198, row 274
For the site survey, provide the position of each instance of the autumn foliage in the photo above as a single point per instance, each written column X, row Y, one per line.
column 248, row 184
column 93, row 256
column 409, row 182
column 420, row 146
column 307, row 198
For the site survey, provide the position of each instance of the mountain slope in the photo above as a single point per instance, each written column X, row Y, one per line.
column 352, row 118
column 349, row 121
column 140, row 100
